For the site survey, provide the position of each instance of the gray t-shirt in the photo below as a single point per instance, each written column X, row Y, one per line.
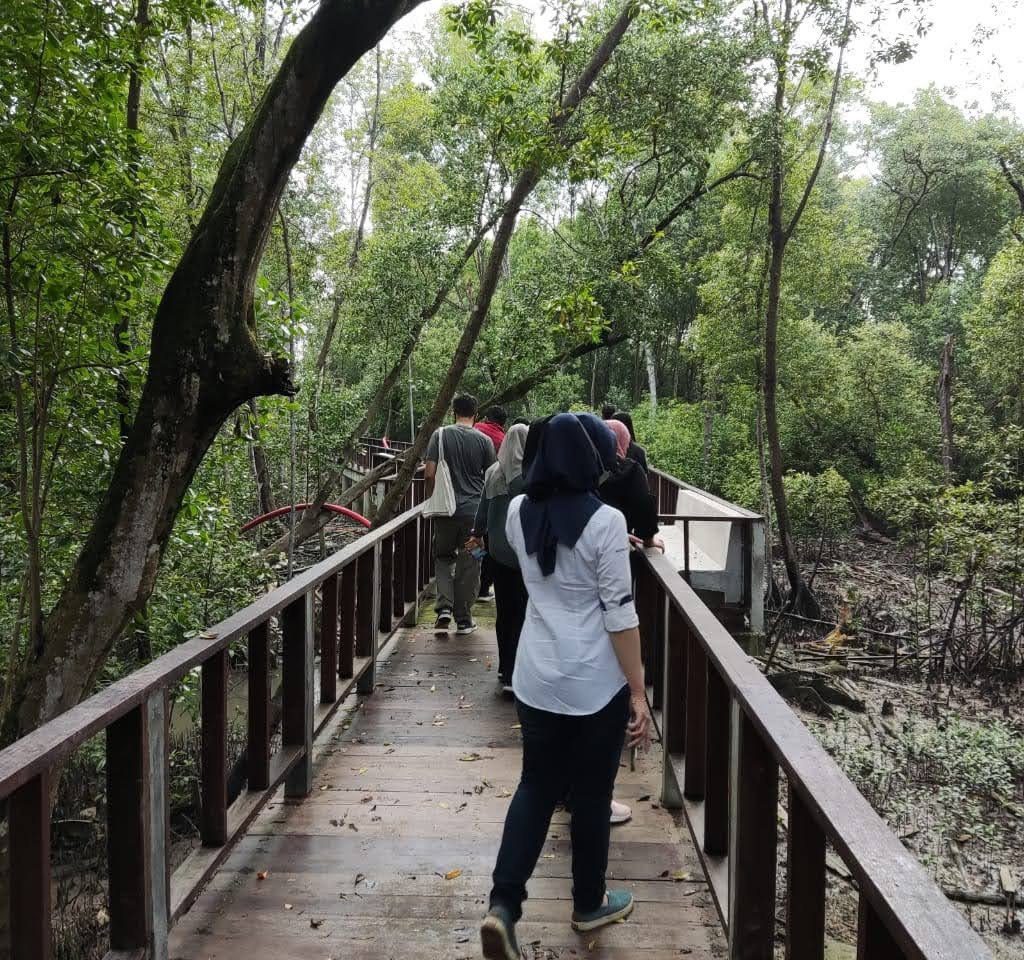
column 468, row 453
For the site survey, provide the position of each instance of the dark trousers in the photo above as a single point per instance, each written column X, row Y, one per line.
column 486, row 574
column 510, row 600
column 560, row 754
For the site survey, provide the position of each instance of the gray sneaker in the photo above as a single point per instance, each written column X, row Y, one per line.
column 465, row 627
column 498, row 935
column 443, row 621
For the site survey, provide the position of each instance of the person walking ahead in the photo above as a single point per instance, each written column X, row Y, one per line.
column 502, row 482
column 468, row 454
column 578, row 681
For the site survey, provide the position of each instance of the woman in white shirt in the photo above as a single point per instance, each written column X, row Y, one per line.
column 578, row 681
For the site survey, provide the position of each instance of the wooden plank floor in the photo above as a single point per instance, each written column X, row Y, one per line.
column 410, row 788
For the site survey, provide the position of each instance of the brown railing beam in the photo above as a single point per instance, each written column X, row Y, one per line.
column 29, row 826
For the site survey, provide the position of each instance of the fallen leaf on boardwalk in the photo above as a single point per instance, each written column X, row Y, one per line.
column 469, row 757
column 517, row 726
column 390, row 750
column 443, row 805
column 367, row 799
column 360, row 877
column 489, row 664
column 591, row 945
column 646, row 796
column 352, row 826
column 663, row 874
column 549, row 856
column 362, row 770
column 288, row 906
column 315, row 924
column 472, row 659
column 453, row 874
column 680, row 875
column 433, row 688
column 504, row 793
column 262, row 875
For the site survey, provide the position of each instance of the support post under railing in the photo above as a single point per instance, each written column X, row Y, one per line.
column 347, row 622
column 673, row 707
column 385, row 582
column 297, row 691
column 329, row 640
column 368, row 576
column 696, row 717
column 258, row 747
column 214, row 766
column 753, row 805
column 874, row 942
column 137, row 829
column 805, row 884
column 28, row 821
column 716, row 786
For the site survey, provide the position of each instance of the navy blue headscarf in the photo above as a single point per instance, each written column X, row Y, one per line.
column 602, row 437
column 560, row 485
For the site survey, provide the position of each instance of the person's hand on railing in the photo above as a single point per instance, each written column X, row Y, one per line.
column 638, row 730
column 654, row 543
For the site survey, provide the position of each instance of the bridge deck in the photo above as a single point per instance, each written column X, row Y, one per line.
column 415, row 789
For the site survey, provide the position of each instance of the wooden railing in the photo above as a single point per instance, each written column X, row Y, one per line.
column 726, row 734
column 364, row 589
column 748, row 568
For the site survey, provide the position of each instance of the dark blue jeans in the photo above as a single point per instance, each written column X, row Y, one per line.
column 562, row 754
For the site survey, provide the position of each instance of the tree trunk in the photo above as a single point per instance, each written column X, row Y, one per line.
column 260, row 467
column 800, row 600
column 652, row 375
column 946, row 407
column 353, row 257
column 204, row 363
column 493, row 266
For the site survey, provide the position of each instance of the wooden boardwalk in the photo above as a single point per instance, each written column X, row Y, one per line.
column 391, row 855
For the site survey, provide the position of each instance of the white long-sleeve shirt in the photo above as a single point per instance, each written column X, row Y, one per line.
column 566, row 662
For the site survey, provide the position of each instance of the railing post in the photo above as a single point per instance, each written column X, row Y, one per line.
column 696, row 718
column 805, row 884
column 398, row 575
column 28, row 821
column 753, row 806
column 137, row 829
column 347, row 621
column 716, row 787
column 673, row 716
column 385, row 583
column 368, row 574
column 214, row 775
column 874, row 942
column 297, row 691
column 410, row 588
column 755, row 572
column 657, row 680
column 329, row 640
column 258, row 746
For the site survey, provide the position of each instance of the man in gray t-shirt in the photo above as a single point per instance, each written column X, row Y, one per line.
column 468, row 453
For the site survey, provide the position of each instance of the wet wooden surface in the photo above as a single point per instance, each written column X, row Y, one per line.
column 409, row 789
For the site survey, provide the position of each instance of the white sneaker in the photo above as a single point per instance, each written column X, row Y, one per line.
column 620, row 813
column 464, row 628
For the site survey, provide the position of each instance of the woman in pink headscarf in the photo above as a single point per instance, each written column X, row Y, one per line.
column 626, row 489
